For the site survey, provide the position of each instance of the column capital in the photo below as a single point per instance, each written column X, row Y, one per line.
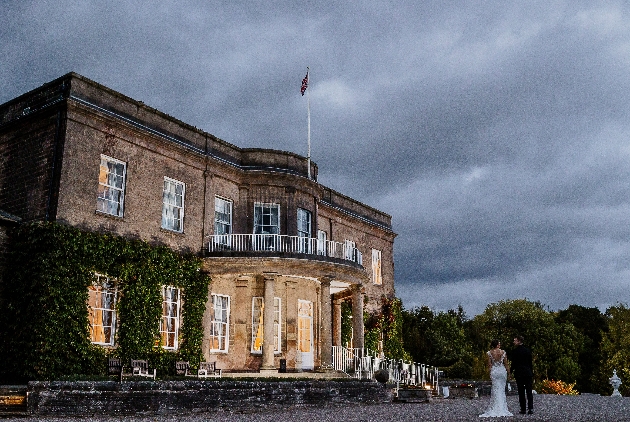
column 326, row 280
column 269, row 275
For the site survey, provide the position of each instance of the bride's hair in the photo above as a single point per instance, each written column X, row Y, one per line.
column 494, row 343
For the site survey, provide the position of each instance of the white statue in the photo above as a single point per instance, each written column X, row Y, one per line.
column 615, row 381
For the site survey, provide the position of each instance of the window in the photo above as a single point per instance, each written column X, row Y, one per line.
column 222, row 220
column 321, row 242
column 219, row 323
column 111, row 186
column 102, row 310
column 349, row 250
column 258, row 310
column 377, row 276
column 266, row 218
column 173, row 205
column 169, row 324
column 304, row 230
column 266, row 222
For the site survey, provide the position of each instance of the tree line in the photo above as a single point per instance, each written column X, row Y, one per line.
column 578, row 345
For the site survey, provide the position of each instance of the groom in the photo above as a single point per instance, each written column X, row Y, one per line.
column 523, row 373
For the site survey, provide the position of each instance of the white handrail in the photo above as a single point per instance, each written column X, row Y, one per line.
column 283, row 243
column 362, row 363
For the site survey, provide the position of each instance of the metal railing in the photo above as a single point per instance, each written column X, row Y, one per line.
column 283, row 243
column 363, row 363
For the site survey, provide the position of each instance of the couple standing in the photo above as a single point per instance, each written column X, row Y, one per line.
column 499, row 372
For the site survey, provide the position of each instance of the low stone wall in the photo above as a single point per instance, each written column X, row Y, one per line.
column 169, row 397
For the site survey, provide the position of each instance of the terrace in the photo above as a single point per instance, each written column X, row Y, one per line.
column 284, row 246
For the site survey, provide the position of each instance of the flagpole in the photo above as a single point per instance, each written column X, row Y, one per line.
column 308, row 110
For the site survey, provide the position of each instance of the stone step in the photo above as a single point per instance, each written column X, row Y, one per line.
column 13, row 400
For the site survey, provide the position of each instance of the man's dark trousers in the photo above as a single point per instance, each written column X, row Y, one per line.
column 524, row 386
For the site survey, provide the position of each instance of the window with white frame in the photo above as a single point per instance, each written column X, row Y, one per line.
column 173, row 205
column 222, row 220
column 102, row 309
column 321, row 242
column 258, row 311
column 350, row 250
column 111, row 186
column 377, row 276
column 266, row 218
column 304, row 230
column 169, row 324
column 267, row 224
column 219, row 323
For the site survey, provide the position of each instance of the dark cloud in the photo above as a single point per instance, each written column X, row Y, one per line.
column 496, row 136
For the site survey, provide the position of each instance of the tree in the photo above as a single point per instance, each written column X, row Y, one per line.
column 615, row 349
column 591, row 323
column 555, row 346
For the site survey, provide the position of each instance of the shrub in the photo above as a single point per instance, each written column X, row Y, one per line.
column 558, row 387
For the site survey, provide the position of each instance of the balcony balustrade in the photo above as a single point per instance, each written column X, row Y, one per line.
column 284, row 244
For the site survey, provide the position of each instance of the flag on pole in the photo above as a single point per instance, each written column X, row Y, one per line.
column 304, row 83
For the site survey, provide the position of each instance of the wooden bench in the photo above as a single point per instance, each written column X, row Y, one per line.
column 182, row 368
column 208, row 369
column 139, row 368
column 115, row 367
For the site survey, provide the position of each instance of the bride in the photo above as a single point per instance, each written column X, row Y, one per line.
column 499, row 372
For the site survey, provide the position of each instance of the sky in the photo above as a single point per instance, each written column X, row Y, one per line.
column 496, row 135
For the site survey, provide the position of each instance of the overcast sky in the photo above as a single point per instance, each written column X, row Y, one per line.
column 497, row 137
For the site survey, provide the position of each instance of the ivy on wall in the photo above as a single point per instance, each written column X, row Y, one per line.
column 386, row 326
column 44, row 325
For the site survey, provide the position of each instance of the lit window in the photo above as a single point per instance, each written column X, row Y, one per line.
column 111, row 186
column 219, row 323
column 222, row 220
column 102, row 310
column 169, row 324
column 377, row 276
column 258, row 311
column 173, row 205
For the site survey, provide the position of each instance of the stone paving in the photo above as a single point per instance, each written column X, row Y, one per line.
column 548, row 408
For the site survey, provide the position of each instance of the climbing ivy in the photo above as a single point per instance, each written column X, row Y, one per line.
column 44, row 324
column 386, row 325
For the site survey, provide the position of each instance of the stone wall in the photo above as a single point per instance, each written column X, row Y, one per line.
column 175, row 397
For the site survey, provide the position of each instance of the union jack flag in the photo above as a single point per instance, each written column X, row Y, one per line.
column 304, row 84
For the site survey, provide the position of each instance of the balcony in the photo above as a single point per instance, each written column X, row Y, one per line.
column 275, row 244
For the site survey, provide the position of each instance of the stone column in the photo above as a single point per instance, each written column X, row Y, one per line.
column 336, row 317
column 326, row 321
column 268, row 316
column 357, row 316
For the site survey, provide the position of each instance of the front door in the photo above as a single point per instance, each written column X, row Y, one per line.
column 305, row 334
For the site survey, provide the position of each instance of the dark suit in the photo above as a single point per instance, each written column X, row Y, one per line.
column 524, row 375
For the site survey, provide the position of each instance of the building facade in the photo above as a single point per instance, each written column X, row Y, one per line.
column 282, row 251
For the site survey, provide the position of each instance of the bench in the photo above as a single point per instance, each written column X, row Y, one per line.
column 208, row 369
column 182, row 368
column 115, row 367
column 139, row 368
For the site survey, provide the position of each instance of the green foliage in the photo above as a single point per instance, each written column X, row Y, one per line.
column 591, row 323
column 45, row 323
column 615, row 349
column 386, row 326
column 437, row 339
column 459, row 370
column 555, row 346
column 346, row 323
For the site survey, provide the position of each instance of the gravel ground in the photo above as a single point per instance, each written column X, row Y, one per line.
column 547, row 408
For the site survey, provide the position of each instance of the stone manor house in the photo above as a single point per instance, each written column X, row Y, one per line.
column 282, row 251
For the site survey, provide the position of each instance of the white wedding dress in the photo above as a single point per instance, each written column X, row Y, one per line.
column 498, row 375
